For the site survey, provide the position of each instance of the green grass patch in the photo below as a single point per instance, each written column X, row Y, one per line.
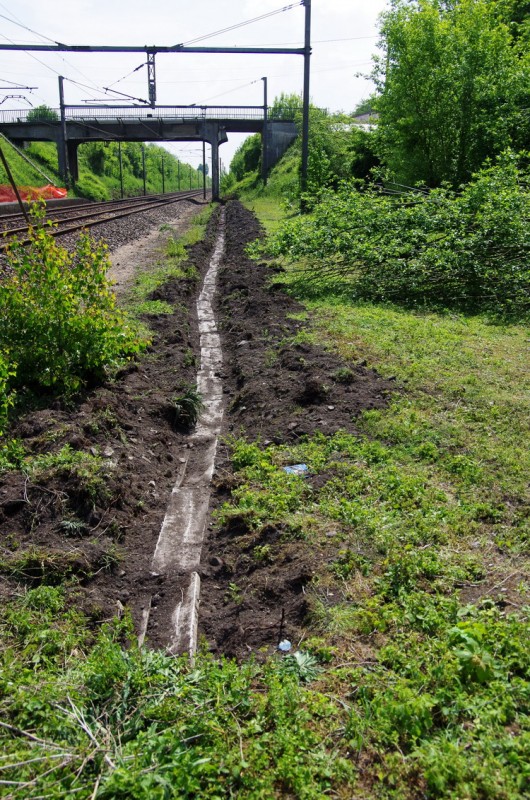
column 408, row 607
column 172, row 265
column 466, row 407
column 270, row 211
column 115, row 722
column 420, row 524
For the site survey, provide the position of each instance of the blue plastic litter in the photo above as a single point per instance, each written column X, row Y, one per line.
column 296, row 469
column 285, row 645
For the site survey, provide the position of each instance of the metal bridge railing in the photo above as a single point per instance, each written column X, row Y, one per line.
column 79, row 113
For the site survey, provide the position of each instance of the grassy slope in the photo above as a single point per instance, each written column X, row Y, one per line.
column 44, row 156
column 432, row 508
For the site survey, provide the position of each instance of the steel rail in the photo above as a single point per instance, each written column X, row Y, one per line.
column 73, row 213
column 109, row 218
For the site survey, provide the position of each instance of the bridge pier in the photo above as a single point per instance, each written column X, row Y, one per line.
column 215, row 134
column 68, row 161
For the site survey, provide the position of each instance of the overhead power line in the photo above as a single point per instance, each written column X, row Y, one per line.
column 140, row 66
column 241, row 24
column 21, row 25
column 15, row 85
column 17, row 21
column 228, row 91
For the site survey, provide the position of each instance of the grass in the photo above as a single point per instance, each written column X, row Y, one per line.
column 415, row 676
column 107, row 715
column 270, row 212
column 466, row 402
column 172, row 265
column 25, row 174
column 419, row 609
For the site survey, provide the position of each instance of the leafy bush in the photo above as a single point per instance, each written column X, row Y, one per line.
column 6, row 397
column 58, row 316
column 467, row 250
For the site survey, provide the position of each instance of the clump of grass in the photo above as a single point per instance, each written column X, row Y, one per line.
column 343, row 375
column 186, row 408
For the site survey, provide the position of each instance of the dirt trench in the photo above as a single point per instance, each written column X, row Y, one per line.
column 102, row 534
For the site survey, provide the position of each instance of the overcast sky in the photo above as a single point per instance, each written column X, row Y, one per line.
column 344, row 36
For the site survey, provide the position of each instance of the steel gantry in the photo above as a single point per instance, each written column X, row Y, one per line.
column 152, row 51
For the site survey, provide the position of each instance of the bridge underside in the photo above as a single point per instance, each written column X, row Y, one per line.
column 279, row 135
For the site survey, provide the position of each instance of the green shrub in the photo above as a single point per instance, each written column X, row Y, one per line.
column 467, row 250
column 6, row 397
column 58, row 316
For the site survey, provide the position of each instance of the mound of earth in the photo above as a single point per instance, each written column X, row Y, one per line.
column 277, row 390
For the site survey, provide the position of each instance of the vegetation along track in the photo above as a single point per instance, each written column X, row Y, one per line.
column 88, row 215
column 135, row 450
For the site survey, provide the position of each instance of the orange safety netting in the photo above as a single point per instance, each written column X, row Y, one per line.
column 7, row 195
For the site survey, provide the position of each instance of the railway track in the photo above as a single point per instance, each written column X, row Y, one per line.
column 88, row 215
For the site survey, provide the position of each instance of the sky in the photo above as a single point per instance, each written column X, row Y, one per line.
column 343, row 33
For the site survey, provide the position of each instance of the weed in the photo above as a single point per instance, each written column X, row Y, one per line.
column 234, row 594
column 73, row 527
column 189, row 359
column 12, row 455
column 186, row 408
column 343, row 375
column 175, row 249
column 262, row 553
column 349, row 562
column 301, row 665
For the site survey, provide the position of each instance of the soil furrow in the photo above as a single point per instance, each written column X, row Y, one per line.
column 102, row 533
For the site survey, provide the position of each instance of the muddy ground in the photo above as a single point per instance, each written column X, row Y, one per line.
column 103, row 534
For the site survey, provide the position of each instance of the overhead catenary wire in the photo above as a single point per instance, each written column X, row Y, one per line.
column 127, row 75
column 16, row 85
column 26, row 28
column 240, row 24
column 17, row 21
column 51, row 69
column 228, row 91
column 107, row 89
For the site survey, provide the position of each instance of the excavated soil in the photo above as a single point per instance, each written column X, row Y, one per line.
column 103, row 535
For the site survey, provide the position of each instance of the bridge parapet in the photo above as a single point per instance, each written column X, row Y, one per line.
column 187, row 113
column 146, row 124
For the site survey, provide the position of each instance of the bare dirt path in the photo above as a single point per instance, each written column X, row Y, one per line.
column 137, row 256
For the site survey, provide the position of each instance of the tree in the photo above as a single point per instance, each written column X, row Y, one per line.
column 453, row 86
column 247, row 157
column 285, row 106
column 42, row 114
column 365, row 106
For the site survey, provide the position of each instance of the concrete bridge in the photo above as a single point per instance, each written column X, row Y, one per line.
column 75, row 125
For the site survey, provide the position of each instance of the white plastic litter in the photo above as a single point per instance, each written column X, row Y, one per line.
column 296, row 469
